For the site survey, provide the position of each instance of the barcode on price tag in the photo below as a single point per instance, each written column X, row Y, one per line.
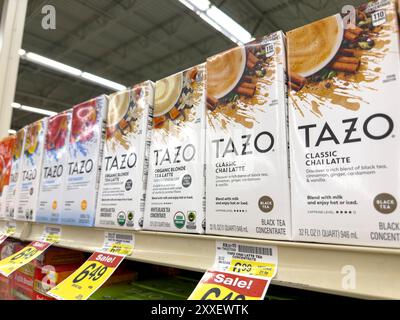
column 247, row 259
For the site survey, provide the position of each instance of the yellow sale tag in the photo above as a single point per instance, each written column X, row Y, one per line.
column 88, row 278
column 22, row 257
column 51, row 234
column 217, row 285
column 120, row 248
column 254, row 268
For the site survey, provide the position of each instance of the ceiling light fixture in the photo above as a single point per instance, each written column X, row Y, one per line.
column 33, row 109
column 219, row 20
column 66, row 69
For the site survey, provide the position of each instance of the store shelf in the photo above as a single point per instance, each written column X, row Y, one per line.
column 316, row 267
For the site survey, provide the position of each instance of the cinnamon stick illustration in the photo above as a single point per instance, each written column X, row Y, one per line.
column 246, row 89
column 296, row 81
column 344, row 67
column 347, row 52
column 345, row 59
column 212, row 102
column 249, row 79
column 350, row 36
column 356, row 30
column 294, row 86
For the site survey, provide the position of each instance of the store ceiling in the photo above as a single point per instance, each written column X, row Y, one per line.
column 129, row 41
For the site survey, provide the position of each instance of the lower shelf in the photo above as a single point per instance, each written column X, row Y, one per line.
column 360, row 272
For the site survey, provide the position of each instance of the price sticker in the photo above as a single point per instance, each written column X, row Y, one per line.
column 51, row 234
column 246, row 259
column 9, row 230
column 255, row 268
column 97, row 269
column 218, row 285
column 240, row 272
column 22, row 257
column 118, row 243
column 88, row 278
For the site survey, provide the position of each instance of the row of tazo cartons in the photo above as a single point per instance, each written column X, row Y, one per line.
column 219, row 143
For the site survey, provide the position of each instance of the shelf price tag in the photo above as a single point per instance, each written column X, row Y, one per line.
column 9, row 230
column 88, row 278
column 118, row 243
column 22, row 257
column 51, row 234
column 218, row 285
column 240, row 272
column 247, row 259
column 96, row 270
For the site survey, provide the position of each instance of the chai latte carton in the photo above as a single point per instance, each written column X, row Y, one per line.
column 176, row 183
column 55, row 168
column 32, row 158
column 248, row 190
column 124, row 171
column 345, row 128
column 10, row 203
column 85, row 151
column 6, row 147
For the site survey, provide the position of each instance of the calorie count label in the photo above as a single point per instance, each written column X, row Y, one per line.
column 218, row 285
column 88, row 278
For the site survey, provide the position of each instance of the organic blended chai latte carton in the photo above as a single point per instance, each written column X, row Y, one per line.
column 344, row 127
column 176, row 187
column 6, row 147
column 85, row 152
column 247, row 167
column 123, row 180
column 10, row 203
column 32, row 158
column 55, row 168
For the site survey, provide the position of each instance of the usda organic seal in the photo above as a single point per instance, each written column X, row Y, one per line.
column 179, row 220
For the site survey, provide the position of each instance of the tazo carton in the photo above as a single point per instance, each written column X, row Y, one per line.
column 16, row 175
column 345, row 128
column 248, row 190
column 176, row 187
column 125, row 161
column 85, row 151
column 32, row 158
column 55, row 168
column 6, row 147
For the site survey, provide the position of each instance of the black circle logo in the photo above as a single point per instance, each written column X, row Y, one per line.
column 186, row 181
column 128, row 185
column 266, row 204
column 385, row 203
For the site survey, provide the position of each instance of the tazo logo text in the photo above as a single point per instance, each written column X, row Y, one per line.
column 125, row 161
column 177, row 155
column 53, row 172
column 81, row 167
column 262, row 143
column 350, row 131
